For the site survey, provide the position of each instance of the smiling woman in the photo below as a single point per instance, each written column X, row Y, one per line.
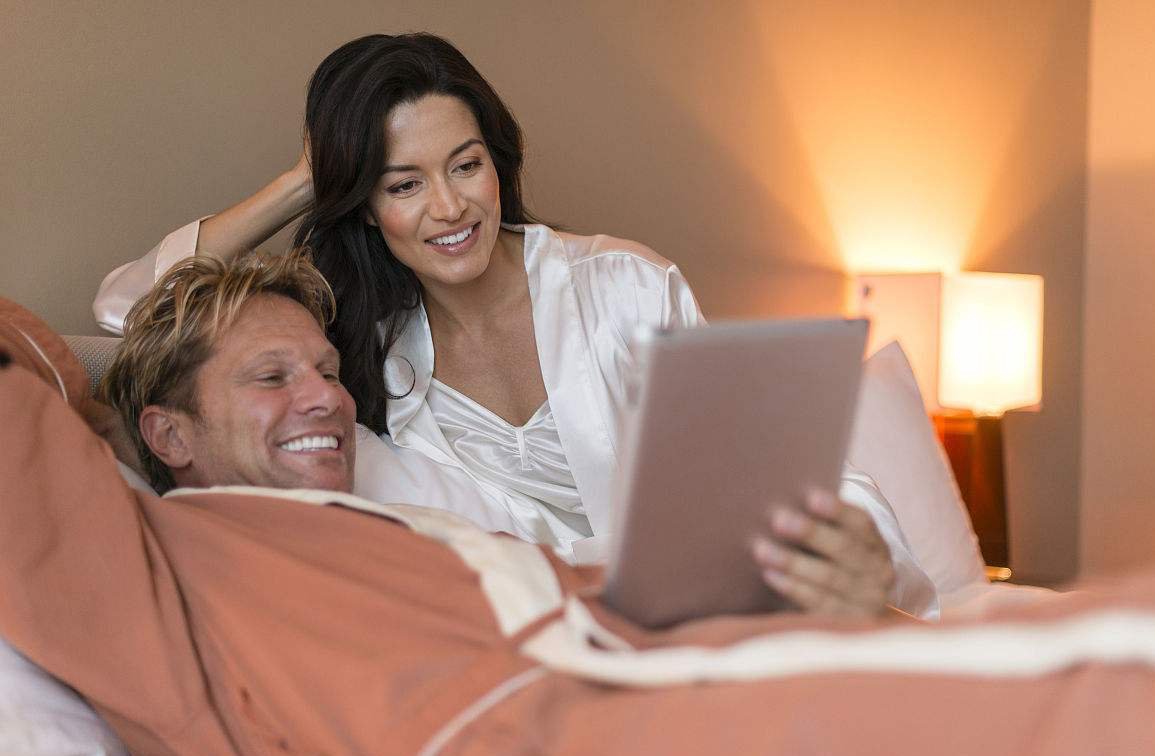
column 437, row 200
column 491, row 345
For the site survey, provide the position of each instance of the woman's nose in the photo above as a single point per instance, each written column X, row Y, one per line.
column 447, row 203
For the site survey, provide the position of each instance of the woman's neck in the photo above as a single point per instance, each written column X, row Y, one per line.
column 486, row 299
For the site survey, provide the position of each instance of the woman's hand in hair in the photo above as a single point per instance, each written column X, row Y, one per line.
column 249, row 223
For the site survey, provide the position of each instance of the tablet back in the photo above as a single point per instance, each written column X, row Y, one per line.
column 727, row 420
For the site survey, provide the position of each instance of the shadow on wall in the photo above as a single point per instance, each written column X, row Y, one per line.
column 1118, row 514
column 681, row 141
column 1033, row 220
column 905, row 111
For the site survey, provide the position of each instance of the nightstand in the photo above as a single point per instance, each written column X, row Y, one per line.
column 974, row 446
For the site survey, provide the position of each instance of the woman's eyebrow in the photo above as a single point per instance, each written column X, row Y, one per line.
column 461, row 148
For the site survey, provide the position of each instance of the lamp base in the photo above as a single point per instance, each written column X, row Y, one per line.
column 974, row 446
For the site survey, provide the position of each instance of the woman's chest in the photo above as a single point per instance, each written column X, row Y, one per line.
column 500, row 370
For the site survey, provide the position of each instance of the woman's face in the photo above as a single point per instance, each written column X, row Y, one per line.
column 437, row 203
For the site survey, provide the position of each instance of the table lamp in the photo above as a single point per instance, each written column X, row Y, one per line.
column 975, row 344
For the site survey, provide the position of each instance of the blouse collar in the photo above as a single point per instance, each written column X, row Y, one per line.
column 409, row 364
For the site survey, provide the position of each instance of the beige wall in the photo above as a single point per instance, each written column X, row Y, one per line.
column 1118, row 504
column 767, row 146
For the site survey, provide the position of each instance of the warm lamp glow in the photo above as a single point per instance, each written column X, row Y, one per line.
column 990, row 348
column 974, row 340
column 906, row 140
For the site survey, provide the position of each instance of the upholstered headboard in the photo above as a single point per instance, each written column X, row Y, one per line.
column 94, row 353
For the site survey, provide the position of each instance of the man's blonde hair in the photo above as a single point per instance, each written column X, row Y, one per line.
column 172, row 331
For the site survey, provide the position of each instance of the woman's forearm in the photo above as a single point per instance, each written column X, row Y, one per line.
column 254, row 219
column 241, row 227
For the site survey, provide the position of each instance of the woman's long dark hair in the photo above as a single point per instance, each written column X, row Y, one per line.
column 350, row 95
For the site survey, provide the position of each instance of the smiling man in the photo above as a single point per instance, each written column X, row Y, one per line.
column 266, row 407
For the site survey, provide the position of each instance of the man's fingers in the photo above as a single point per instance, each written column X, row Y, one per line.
column 820, row 572
column 870, row 588
column 856, row 521
column 848, row 540
column 826, row 539
column 811, row 598
column 827, row 557
column 823, row 504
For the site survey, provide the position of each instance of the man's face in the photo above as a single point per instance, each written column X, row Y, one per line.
column 272, row 409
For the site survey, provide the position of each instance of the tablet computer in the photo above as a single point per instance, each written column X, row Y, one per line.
column 721, row 422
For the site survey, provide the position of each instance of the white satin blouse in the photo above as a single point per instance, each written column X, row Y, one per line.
column 589, row 296
column 528, row 459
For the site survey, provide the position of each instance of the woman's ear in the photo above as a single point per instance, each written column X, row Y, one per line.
column 164, row 433
column 367, row 216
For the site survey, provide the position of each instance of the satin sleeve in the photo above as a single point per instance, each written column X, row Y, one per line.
column 679, row 305
column 913, row 591
column 124, row 286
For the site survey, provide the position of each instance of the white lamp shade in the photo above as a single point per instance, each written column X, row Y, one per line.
column 990, row 347
column 904, row 307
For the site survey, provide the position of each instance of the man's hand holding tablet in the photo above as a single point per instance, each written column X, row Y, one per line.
column 827, row 558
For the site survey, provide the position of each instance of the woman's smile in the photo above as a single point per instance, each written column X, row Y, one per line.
column 455, row 243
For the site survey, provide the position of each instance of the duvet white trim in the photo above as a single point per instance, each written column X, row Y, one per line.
column 995, row 650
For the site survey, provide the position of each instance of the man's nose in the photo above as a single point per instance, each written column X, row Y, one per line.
column 319, row 394
column 446, row 204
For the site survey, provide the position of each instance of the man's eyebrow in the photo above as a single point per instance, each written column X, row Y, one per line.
column 461, row 148
column 330, row 353
column 268, row 354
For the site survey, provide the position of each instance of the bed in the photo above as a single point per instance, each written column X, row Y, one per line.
column 39, row 716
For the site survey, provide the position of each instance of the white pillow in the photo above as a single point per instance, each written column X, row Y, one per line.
column 894, row 442
column 41, row 717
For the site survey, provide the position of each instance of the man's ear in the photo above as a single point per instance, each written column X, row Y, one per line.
column 164, row 433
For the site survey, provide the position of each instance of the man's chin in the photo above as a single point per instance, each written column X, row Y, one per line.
column 341, row 484
column 326, row 470
column 322, row 479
